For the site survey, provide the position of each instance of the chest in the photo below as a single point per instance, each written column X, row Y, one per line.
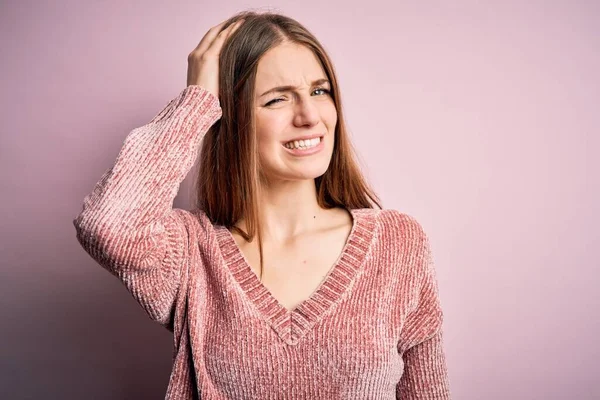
column 347, row 362
column 352, row 353
column 293, row 272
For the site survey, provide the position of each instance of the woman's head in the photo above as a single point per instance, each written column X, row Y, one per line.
column 284, row 118
column 246, row 150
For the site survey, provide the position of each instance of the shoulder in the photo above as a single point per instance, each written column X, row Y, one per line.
column 404, row 241
column 399, row 225
column 201, row 232
column 393, row 225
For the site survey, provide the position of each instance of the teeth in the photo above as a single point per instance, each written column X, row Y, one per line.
column 303, row 144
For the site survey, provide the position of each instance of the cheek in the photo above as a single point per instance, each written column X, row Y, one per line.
column 268, row 131
column 329, row 115
column 269, row 134
column 270, row 126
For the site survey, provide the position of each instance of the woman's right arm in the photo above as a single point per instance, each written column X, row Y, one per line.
column 127, row 223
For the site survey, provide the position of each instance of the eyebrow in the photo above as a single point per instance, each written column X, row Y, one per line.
column 289, row 87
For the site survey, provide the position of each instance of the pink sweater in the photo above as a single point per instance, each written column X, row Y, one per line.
column 372, row 329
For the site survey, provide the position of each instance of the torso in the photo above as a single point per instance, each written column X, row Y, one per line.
column 292, row 272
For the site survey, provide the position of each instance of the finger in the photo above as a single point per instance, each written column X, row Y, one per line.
column 215, row 46
column 225, row 33
column 209, row 37
column 235, row 27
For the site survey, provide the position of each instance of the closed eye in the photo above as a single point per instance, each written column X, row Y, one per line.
column 277, row 100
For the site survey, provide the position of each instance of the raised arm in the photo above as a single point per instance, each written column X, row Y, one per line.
column 425, row 373
column 127, row 223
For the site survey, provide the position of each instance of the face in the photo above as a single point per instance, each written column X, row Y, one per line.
column 293, row 101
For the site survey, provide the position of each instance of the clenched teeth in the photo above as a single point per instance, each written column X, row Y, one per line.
column 303, row 144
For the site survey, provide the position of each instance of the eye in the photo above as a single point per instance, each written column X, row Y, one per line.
column 277, row 100
column 322, row 89
column 273, row 101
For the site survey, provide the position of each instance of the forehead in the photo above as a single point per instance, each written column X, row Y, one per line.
column 288, row 64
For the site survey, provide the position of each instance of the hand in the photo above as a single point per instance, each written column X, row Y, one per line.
column 203, row 61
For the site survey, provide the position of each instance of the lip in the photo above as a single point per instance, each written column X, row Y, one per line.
column 306, row 152
column 306, row 137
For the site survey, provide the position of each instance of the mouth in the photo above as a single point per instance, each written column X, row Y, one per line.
column 304, row 144
column 305, row 147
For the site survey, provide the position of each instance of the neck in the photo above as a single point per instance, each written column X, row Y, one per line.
column 288, row 209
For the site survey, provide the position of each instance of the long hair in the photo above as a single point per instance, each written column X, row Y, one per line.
column 228, row 181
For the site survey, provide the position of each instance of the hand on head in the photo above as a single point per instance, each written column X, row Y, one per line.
column 203, row 61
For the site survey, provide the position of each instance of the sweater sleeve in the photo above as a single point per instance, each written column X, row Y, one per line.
column 128, row 224
column 421, row 345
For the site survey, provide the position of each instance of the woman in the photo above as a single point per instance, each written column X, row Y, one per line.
column 335, row 299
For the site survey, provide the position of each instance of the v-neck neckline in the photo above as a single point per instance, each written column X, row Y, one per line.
column 292, row 325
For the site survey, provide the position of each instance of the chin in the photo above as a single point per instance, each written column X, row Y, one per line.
column 298, row 174
column 312, row 173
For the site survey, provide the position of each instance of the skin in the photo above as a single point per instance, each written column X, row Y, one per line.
column 301, row 241
column 288, row 205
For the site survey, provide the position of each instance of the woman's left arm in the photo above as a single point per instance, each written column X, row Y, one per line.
column 425, row 373
column 421, row 345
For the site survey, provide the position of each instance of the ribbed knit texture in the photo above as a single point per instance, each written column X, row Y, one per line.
column 371, row 330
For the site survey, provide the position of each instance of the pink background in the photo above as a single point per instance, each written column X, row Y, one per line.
column 478, row 118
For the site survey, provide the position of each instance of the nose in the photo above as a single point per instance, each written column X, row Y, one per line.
column 307, row 112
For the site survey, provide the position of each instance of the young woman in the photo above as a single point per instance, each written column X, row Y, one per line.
column 284, row 281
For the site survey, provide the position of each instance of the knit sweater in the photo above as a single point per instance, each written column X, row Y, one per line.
column 371, row 330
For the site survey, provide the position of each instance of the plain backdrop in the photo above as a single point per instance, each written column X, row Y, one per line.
column 478, row 118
